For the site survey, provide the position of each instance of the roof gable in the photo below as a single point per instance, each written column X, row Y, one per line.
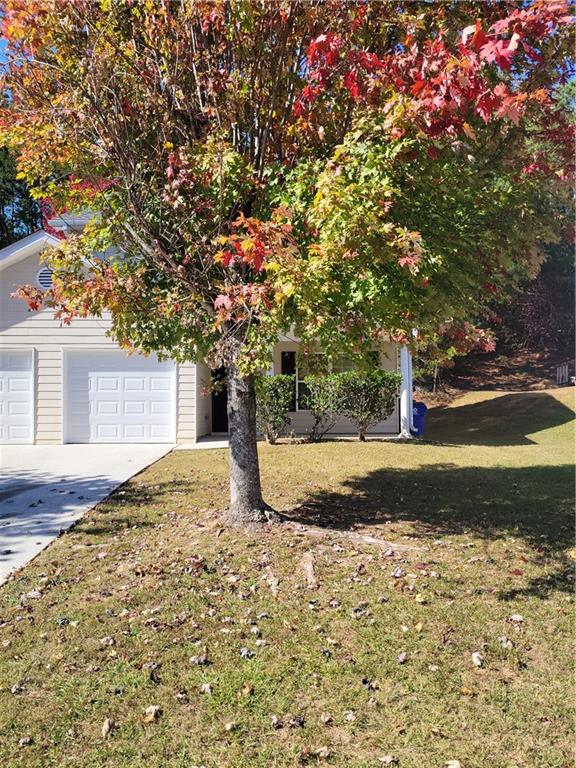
column 27, row 246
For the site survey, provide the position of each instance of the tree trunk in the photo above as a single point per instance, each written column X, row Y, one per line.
column 246, row 502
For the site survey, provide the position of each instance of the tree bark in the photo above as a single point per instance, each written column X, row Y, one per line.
column 246, row 502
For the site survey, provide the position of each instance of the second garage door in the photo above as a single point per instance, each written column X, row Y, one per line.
column 110, row 397
column 16, row 396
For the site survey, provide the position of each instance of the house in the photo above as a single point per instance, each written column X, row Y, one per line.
column 73, row 384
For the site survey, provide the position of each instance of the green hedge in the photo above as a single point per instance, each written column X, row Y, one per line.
column 363, row 397
column 274, row 397
column 367, row 398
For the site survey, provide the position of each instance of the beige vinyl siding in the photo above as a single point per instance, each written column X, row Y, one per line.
column 186, row 403
column 301, row 420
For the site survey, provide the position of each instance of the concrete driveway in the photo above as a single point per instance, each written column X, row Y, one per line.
column 45, row 488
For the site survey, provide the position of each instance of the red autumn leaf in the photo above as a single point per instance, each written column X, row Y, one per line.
column 479, row 38
column 351, row 84
column 497, row 51
column 417, row 87
column 532, row 54
column 486, row 105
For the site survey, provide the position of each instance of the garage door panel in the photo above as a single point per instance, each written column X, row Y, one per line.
column 107, row 384
column 16, row 397
column 135, row 408
column 159, row 385
column 18, row 434
column 158, row 408
column 107, row 432
column 19, row 409
column 134, row 433
column 107, row 408
column 19, row 384
column 134, row 385
column 129, row 398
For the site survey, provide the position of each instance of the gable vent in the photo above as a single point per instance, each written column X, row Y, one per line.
column 44, row 278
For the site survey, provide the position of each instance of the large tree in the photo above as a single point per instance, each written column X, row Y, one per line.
column 347, row 169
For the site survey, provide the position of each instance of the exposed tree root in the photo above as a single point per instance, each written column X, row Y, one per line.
column 357, row 538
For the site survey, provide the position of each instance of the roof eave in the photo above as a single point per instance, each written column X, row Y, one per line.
column 27, row 246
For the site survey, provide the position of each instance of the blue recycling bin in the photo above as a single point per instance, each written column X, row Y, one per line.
column 418, row 416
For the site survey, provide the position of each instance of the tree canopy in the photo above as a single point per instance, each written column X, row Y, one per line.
column 348, row 170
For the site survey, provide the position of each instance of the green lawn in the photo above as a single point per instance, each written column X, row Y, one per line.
column 356, row 654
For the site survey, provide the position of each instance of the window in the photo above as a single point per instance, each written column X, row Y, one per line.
column 311, row 364
column 288, row 363
column 300, row 369
column 44, row 278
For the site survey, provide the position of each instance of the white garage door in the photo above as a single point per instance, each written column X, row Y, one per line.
column 110, row 397
column 16, row 396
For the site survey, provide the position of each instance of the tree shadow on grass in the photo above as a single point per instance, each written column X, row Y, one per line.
column 531, row 503
column 504, row 420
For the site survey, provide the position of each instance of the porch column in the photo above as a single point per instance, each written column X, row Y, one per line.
column 405, row 392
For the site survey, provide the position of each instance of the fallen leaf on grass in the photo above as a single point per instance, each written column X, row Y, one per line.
column 107, row 727
column 272, row 581
column 151, row 714
column 246, row 690
column 307, row 567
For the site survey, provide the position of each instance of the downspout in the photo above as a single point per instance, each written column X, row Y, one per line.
column 405, row 393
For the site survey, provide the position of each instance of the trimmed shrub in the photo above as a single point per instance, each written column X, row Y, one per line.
column 322, row 400
column 274, row 397
column 367, row 398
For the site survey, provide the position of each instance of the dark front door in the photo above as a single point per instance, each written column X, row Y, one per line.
column 219, row 401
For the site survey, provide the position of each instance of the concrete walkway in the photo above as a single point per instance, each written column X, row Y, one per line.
column 45, row 488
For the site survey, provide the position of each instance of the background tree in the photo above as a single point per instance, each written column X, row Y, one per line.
column 19, row 212
column 347, row 169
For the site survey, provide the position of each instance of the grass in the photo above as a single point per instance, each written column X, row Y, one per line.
column 370, row 666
